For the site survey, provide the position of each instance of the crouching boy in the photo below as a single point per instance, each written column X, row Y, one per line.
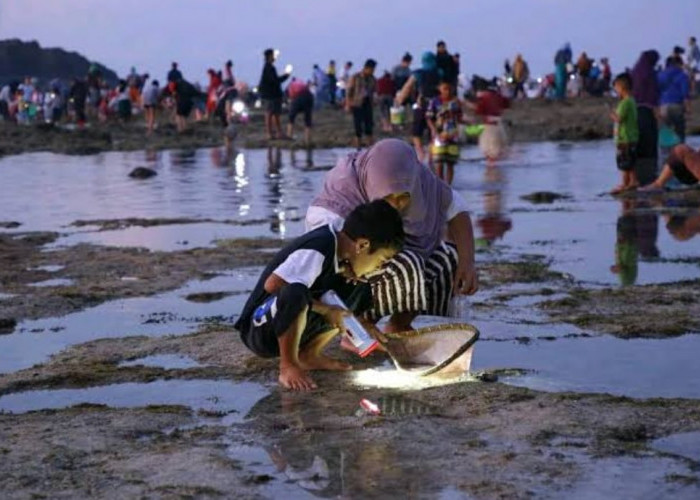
column 284, row 317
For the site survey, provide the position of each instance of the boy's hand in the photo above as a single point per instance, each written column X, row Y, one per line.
column 294, row 378
column 334, row 315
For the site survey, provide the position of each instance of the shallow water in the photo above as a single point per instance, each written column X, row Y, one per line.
column 265, row 192
column 165, row 314
column 638, row 367
column 219, row 396
column 685, row 444
column 166, row 361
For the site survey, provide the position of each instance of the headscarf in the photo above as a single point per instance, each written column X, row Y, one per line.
column 644, row 86
column 390, row 167
column 428, row 61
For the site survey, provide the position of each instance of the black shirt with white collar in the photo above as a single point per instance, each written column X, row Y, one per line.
column 310, row 259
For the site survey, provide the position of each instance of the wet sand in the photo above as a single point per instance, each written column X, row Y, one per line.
column 528, row 121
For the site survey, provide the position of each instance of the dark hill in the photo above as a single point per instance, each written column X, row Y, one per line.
column 19, row 59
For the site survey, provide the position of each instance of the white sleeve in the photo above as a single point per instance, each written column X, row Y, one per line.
column 302, row 266
column 319, row 216
column 457, row 206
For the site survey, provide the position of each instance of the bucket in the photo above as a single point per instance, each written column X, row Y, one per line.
column 435, row 350
column 397, row 115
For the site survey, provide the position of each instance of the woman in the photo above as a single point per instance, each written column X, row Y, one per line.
column 645, row 91
column 422, row 278
column 561, row 76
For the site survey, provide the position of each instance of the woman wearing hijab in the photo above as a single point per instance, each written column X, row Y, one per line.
column 422, row 278
column 561, row 78
column 645, row 90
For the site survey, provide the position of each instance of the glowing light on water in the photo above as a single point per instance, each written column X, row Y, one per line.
column 396, row 379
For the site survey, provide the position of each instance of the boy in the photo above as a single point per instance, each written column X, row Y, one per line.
column 626, row 133
column 444, row 116
column 360, row 101
column 284, row 317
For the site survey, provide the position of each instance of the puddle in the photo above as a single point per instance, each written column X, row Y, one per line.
column 176, row 236
column 641, row 368
column 579, row 235
column 165, row 314
column 51, row 191
column 48, row 268
column 166, row 361
column 686, row 444
column 52, row 282
column 215, row 396
column 622, row 477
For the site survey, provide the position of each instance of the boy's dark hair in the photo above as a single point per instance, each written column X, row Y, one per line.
column 268, row 53
column 441, row 43
column 155, row 83
column 370, row 63
column 624, row 79
column 407, row 57
column 377, row 221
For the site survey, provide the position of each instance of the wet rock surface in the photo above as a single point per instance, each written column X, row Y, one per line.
column 142, row 173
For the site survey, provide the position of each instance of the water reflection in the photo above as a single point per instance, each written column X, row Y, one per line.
column 333, row 463
column 274, row 183
column 636, row 237
column 183, row 157
column 683, row 227
column 493, row 222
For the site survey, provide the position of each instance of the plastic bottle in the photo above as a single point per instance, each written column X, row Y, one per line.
column 354, row 331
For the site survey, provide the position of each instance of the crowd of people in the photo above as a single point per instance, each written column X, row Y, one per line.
column 442, row 106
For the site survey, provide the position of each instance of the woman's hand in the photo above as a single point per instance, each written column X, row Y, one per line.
column 466, row 279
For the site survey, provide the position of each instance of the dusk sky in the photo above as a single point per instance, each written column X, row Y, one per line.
column 149, row 34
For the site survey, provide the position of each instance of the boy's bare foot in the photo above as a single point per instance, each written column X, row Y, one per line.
column 295, row 378
column 321, row 362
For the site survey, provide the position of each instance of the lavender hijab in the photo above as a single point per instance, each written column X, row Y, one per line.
column 391, row 167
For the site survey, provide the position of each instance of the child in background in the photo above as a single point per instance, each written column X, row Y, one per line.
column 444, row 116
column 284, row 317
column 151, row 96
column 626, row 133
column 489, row 107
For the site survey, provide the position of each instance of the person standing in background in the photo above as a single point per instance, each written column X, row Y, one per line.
column 174, row 74
column 360, row 101
column 332, row 83
column 385, row 94
column 270, row 88
column 674, row 96
column 645, row 90
column 561, row 77
column 345, row 78
column 402, row 71
column 693, row 62
column 521, row 73
column 151, row 95
column 446, row 64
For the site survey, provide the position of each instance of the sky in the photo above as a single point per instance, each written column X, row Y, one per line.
column 199, row 34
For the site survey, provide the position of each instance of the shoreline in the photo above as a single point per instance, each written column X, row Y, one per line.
column 537, row 120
